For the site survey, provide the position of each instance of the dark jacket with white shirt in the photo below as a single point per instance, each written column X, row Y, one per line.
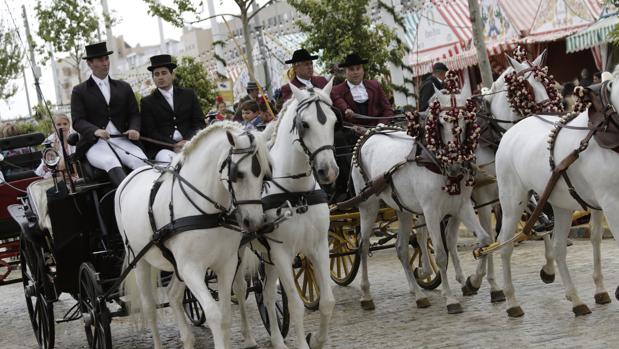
column 91, row 112
column 159, row 120
column 377, row 104
column 317, row 81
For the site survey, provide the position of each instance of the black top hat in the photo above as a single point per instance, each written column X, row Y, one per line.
column 439, row 67
column 252, row 85
column 161, row 61
column 301, row 56
column 97, row 50
column 353, row 59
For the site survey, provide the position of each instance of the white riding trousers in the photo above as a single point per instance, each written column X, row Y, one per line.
column 101, row 156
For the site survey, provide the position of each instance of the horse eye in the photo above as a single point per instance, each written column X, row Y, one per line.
column 305, row 125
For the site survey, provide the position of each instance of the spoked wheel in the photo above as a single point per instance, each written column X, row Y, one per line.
column 434, row 279
column 95, row 313
column 281, row 304
column 193, row 309
column 35, row 283
column 344, row 254
column 305, row 282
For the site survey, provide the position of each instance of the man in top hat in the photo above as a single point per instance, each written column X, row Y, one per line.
column 302, row 75
column 436, row 79
column 170, row 114
column 359, row 96
column 102, row 107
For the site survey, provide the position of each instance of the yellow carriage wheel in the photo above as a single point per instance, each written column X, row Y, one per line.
column 343, row 248
column 305, row 282
column 434, row 279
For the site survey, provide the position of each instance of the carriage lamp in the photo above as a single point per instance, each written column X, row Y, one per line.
column 51, row 158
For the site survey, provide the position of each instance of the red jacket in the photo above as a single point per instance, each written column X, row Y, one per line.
column 378, row 104
column 317, row 81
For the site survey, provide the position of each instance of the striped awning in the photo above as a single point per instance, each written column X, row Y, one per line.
column 596, row 34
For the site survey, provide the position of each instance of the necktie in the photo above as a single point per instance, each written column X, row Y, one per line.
column 105, row 91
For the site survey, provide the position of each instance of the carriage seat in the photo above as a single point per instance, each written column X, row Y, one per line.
column 20, row 159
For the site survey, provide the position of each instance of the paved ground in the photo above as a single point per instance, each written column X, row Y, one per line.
column 396, row 322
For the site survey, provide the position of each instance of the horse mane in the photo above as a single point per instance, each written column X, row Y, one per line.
column 280, row 116
column 195, row 140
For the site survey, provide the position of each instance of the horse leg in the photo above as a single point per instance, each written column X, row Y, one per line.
column 422, row 240
column 143, row 281
column 240, row 290
column 368, row 212
column 433, row 222
column 547, row 273
column 194, row 278
column 601, row 295
column 404, row 233
column 610, row 207
column 283, row 263
column 451, row 241
column 563, row 221
column 269, row 292
column 225, row 276
column 176, row 291
column 470, row 220
column 320, row 261
column 513, row 202
column 485, row 218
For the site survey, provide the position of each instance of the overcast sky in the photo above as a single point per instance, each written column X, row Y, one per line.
column 135, row 25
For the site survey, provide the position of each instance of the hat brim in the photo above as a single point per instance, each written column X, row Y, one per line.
column 172, row 66
column 98, row 55
column 310, row 58
column 350, row 64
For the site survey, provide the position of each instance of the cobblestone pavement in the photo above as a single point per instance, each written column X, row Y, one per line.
column 396, row 322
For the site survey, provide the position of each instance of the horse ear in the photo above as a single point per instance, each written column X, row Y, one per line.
column 539, row 61
column 514, row 63
column 296, row 92
column 328, row 87
column 230, row 138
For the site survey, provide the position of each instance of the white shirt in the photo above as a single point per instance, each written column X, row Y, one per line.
column 307, row 83
column 104, row 86
column 169, row 96
column 358, row 92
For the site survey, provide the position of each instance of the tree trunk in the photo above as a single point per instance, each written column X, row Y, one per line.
column 480, row 45
column 249, row 50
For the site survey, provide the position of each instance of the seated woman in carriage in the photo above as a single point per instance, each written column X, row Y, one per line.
column 63, row 124
column 355, row 96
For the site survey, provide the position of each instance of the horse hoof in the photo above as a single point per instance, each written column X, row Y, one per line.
column 455, row 308
column 602, row 298
column 423, row 303
column 368, row 305
column 581, row 310
column 468, row 289
column 497, row 296
column 515, row 312
column 546, row 278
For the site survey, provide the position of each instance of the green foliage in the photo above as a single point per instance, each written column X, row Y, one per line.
column 341, row 27
column 173, row 14
column 68, row 25
column 10, row 61
column 190, row 73
column 42, row 118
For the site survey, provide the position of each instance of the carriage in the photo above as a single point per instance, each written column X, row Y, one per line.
column 79, row 251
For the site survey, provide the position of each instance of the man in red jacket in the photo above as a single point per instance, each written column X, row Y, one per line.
column 303, row 73
column 358, row 96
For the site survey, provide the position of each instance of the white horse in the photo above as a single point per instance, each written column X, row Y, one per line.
column 522, row 165
column 224, row 164
column 504, row 117
column 302, row 153
column 419, row 190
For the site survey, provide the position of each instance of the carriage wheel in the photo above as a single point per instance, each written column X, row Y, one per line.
column 193, row 309
column 35, row 281
column 95, row 314
column 344, row 266
column 432, row 281
column 281, row 304
column 304, row 280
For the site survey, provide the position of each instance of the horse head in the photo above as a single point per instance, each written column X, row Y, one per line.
column 243, row 168
column 451, row 132
column 314, row 125
column 523, row 89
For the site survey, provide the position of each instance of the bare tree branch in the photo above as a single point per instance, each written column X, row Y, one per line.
column 259, row 9
column 213, row 16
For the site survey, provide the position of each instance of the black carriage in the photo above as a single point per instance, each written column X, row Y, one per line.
column 81, row 253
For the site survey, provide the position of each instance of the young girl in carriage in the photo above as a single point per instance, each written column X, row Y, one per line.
column 63, row 124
